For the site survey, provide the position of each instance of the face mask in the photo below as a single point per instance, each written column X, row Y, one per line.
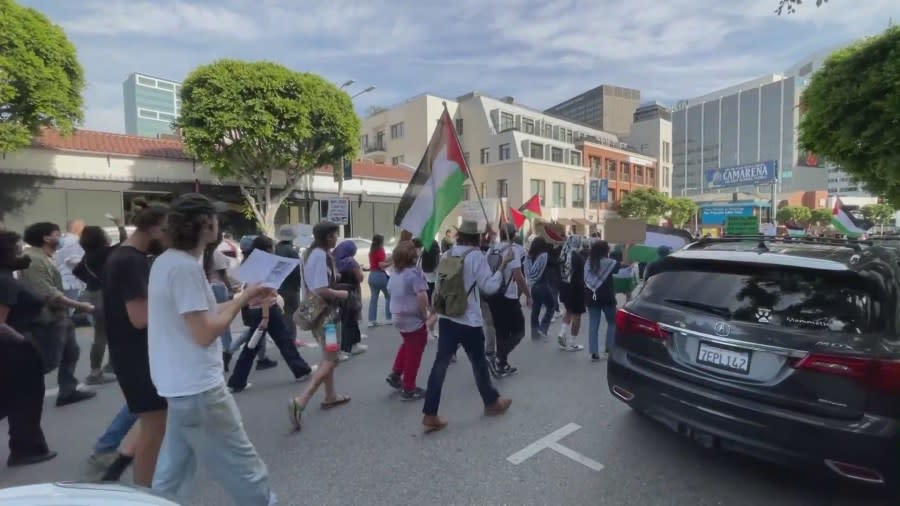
column 156, row 247
column 21, row 263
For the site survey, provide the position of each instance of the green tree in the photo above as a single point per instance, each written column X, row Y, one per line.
column 879, row 214
column 40, row 77
column 265, row 126
column 820, row 217
column 850, row 111
column 681, row 210
column 790, row 6
column 799, row 215
column 645, row 204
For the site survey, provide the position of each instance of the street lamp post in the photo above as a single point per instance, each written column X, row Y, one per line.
column 340, row 171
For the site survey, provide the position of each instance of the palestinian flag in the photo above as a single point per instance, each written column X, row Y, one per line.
column 846, row 223
column 674, row 238
column 436, row 187
column 518, row 219
column 795, row 230
column 532, row 208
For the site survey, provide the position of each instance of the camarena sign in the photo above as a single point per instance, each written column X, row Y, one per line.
column 742, row 175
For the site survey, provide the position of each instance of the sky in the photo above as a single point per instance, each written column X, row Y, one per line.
column 537, row 51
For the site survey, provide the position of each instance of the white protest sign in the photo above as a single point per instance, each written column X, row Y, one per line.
column 339, row 211
column 266, row 268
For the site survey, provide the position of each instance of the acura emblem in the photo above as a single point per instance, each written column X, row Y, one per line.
column 722, row 329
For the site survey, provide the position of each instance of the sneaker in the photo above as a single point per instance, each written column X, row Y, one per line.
column 108, row 368
column 101, row 461
column 506, row 370
column 363, row 336
column 306, row 375
column 236, row 390
column 295, row 413
column 359, row 349
column 498, row 408
column 538, row 335
column 343, row 356
column 99, row 379
column 393, row 380
column 595, row 357
column 574, row 347
column 562, row 343
column 412, row 395
column 76, row 396
column 371, row 325
column 265, row 363
column 433, row 423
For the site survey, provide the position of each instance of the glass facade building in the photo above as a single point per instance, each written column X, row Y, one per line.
column 151, row 105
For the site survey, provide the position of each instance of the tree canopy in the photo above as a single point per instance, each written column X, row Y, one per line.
column 850, row 110
column 681, row 211
column 790, row 6
column 645, row 204
column 879, row 214
column 798, row 215
column 40, row 78
column 820, row 217
column 266, row 126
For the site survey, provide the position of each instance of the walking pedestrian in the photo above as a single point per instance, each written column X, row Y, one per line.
column 410, row 308
column 290, row 288
column 571, row 293
column 53, row 331
column 536, row 273
column 448, row 241
column 600, row 297
column 463, row 276
column 654, row 267
column 505, row 305
column 349, row 274
column 21, row 371
column 66, row 257
column 319, row 275
column 115, row 448
column 273, row 323
column 124, row 284
column 185, row 322
column 378, row 280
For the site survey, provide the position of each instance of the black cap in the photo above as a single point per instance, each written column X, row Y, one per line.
column 194, row 204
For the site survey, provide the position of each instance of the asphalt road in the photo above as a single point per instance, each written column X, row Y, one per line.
column 373, row 451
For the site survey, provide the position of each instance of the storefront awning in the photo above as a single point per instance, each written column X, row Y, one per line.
column 583, row 221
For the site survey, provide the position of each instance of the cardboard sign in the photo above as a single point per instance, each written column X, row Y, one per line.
column 625, row 231
column 339, row 211
column 742, row 225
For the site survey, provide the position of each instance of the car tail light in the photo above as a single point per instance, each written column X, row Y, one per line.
column 628, row 325
column 880, row 375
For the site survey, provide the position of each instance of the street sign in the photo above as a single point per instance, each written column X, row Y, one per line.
column 742, row 225
column 750, row 174
column 336, row 210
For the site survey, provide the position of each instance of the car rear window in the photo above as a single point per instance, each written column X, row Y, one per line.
column 804, row 299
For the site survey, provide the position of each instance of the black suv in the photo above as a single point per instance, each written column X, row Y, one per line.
column 786, row 350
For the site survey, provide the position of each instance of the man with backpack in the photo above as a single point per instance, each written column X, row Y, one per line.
column 509, row 322
column 463, row 274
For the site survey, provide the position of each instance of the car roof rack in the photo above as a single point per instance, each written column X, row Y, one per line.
column 853, row 244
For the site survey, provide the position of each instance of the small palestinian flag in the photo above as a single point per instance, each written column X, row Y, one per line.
column 518, row 219
column 844, row 221
column 532, row 208
column 646, row 251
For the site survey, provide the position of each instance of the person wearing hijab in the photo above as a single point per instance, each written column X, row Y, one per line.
column 350, row 274
column 571, row 293
column 600, row 296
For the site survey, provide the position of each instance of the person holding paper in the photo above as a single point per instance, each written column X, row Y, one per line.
column 266, row 315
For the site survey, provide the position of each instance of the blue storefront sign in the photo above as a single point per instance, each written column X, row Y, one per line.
column 716, row 215
column 599, row 190
column 742, row 175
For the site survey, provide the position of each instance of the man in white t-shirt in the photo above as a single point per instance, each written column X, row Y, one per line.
column 184, row 324
column 509, row 322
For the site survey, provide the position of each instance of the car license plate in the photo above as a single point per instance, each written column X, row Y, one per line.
column 725, row 359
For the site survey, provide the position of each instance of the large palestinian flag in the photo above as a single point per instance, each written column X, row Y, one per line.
column 532, row 208
column 436, row 187
column 846, row 223
column 658, row 236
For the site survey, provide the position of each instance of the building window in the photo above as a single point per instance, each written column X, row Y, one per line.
column 577, row 195
column 575, row 158
column 364, row 142
column 504, row 152
column 649, row 175
column 459, row 126
column 507, row 121
column 559, row 194
column 397, row 160
column 626, row 172
column 611, row 170
column 466, row 190
column 595, row 166
column 144, row 113
column 146, row 81
column 483, row 188
column 528, row 125
column 612, row 195
column 539, row 188
column 502, row 189
column 556, row 155
column 638, row 174
column 667, row 151
column 485, row 156
column 397, row 131
column 466, row 158
column 548, row 130
column 166, row 116
column 569, row 136
column 537, row 151
column 379, row 141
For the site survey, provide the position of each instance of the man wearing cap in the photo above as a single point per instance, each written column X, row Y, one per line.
column 290, row 289
column 466, row 329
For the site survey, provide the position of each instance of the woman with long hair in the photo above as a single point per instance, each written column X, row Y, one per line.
column 536, row 265
column 600, row 297
column 351, row 276
column 378, row 280
column 571, row 293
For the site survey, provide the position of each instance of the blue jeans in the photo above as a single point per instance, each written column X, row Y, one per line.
column 541, row 296
column 208, row 427
column 595, row 314
column 378, row 281
column 452, row 335
column 220, row 291
column 115, row 433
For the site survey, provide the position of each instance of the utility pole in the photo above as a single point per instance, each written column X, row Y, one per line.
column 340, row 171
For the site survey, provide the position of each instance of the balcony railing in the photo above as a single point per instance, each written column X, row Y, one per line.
column 376, row 147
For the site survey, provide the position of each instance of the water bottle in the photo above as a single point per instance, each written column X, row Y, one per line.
column 331, row 343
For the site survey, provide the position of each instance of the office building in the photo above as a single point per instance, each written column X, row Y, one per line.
column 651, row 134
column 749, row 123
column 606, row 107
column 151, row 105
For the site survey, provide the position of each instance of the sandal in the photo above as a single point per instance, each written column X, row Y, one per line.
column 340, row 400
column 295, row 413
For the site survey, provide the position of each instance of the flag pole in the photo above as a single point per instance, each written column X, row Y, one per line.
column 466, row 163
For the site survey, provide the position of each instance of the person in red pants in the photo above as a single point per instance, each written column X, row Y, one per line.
column 409, row 307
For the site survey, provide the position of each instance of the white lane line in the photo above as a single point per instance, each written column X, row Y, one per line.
column 552, row 442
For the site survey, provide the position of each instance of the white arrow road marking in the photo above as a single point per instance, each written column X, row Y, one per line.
column 551, row 441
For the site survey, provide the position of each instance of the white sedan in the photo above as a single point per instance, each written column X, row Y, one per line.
column 71, row 494
column 364, row 245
